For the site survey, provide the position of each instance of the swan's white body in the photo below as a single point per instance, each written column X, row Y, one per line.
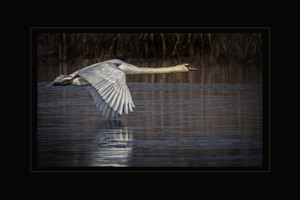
column 108, row 80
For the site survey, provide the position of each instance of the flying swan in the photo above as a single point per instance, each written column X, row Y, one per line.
column 108, row 79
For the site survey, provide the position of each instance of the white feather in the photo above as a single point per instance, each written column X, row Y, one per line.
column 126, row 103
column 116, row 95
column 110, row 92
column 120, row 110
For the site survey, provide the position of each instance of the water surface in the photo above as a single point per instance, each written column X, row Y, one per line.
column 173, row 125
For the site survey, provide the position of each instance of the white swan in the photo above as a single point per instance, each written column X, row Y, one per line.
column 108, row 79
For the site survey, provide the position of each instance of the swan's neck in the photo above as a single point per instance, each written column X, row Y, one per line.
column 159, row 70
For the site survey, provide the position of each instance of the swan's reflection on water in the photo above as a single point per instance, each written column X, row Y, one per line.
column 174, row 125
column 114, row 144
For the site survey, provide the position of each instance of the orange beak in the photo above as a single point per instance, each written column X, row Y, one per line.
column 192, row 69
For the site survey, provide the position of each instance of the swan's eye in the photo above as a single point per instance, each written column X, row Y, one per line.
column 187, row 66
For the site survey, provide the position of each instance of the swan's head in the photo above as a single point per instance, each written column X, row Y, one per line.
column 189, row 68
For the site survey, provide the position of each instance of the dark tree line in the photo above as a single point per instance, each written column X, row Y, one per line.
column 73, row 46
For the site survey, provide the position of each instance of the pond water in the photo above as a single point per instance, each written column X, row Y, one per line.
column 173, row 125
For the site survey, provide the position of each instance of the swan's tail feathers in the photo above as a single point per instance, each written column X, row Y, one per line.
column 62, row 80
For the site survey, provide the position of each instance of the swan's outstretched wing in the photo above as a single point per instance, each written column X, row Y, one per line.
column 109, row 90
